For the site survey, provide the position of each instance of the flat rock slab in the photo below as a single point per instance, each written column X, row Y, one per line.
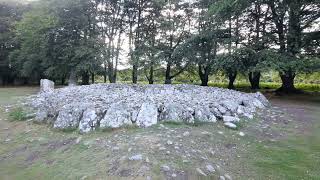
column 115, row 105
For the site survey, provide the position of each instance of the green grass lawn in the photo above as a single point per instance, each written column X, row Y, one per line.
column 12, row 94
column 296, row 157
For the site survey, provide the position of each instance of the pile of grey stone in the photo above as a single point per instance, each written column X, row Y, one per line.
column 115, row 105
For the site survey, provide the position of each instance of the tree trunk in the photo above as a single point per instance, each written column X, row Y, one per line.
column 63, row 80
column 254, row 78
column 204, row 80
column 110, row 72
column 134, row 73
column 168, row 72
column 1, row 81
column 287, row 86
column 232, row 78
column 92, row 78
column 85, row 78
column 72, row 78
column 105, row 74
column 151, row 81
column 204, row 75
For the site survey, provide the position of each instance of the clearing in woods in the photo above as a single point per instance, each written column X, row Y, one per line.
column 279, row 143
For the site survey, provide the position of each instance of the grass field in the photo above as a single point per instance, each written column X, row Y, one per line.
column 281, row 143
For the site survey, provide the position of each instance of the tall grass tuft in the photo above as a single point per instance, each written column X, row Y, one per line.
column 18, row 114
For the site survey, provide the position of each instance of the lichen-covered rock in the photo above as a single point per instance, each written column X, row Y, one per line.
column 148, row 115
column 230, row 119
column 116, row 105
column 204, row 115
column 88, row 121
column 230, row 125
column 69, row 116
column 119, row 114
column 175, row 112
column 262, row 98
column 46, row 86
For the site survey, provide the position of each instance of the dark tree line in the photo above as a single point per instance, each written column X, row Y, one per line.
column 79, row 39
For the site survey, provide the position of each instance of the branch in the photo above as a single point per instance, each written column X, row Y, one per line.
column 181, row 70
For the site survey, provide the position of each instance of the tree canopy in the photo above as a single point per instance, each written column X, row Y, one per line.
column 69, row 39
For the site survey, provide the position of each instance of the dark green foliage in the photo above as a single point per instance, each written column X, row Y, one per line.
column 10, row 11
column 161, row 40
column 56, row 38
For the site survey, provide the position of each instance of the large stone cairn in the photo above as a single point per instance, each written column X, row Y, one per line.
column 116, row 105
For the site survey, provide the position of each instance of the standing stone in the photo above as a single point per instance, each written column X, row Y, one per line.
column 117, row 115
column 69, row 116
column 72, row 78
column 262, row 99
column 46, row 86
column 148, row 115
column 88, row 121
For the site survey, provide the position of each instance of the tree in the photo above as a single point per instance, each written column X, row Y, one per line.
column 32, row 35
column 207, row 42
column 291, row 20
column 57, row 39
column 11, row 12
column 111, row 20
column 232, row 64
column 228, row 13
column 174, row 31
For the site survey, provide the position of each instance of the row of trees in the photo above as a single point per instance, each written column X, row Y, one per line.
column 67, row 39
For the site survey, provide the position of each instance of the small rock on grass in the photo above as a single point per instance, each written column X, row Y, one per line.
column 78, row 140
column 222, row 178
column 228, row 177
column 201, row 172
column 165, row 168
column 230, row 119
column 147, row 160
column 136, row 157
column 230, row 125
column 241, row 134
column 84, row 177
column 210, row 168
column 169, row 142
column 116, row 148
column 187, row 133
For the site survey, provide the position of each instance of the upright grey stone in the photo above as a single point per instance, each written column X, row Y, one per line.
column 88, row 121
column 148, row 115
column 72, row 78
column 46, row 86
